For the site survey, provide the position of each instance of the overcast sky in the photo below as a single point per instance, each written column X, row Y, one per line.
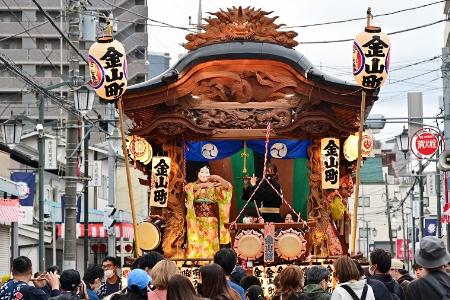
column 335, row 59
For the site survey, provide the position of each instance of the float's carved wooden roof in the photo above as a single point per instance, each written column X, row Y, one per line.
column 231, row 88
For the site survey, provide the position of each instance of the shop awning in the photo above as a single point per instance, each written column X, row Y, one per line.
column 10, row 210
column 96, row 230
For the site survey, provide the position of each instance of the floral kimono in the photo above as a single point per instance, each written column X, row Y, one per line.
column 207, row 212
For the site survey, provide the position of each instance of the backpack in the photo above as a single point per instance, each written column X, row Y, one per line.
column 352, row 293
column 397, row 289
column 438, row 287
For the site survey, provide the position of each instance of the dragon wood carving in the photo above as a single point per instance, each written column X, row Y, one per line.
column 241, row 118
column 174, row 232
column 244, row 86
column 239, row 23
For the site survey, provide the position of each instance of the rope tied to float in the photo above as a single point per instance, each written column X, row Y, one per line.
column 264, row 179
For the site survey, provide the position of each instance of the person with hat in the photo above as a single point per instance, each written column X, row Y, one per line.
column 400, row 274
column 435, row 284
column 137, row 288
column 71, row 286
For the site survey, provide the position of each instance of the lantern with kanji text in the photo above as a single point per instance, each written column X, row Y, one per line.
column 108, row 67
column 371, row 57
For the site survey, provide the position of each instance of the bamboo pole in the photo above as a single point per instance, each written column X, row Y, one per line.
column 358, row 167
column 127, row 168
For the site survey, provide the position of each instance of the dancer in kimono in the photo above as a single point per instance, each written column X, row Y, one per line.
column 208, row 202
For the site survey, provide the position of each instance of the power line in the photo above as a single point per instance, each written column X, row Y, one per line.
column 147, row 18
column 391, row 33
column 37, row 87
column 415, row 64
column 412, row 77
column 362, row 18
column 49, row 18
column 28, row 33
column 26, row 30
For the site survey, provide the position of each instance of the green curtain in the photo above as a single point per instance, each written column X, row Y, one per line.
column 300, row 191
column 237, row 164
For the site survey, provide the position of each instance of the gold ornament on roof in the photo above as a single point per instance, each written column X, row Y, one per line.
column 239, row 23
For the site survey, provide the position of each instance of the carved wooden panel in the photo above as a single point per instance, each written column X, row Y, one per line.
column 239, row 23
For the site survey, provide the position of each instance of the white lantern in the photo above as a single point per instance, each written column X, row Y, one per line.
column 371, row 58
column 351, row 147
column 108, row 68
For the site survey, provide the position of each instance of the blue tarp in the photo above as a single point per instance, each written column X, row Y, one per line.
column 215, row 150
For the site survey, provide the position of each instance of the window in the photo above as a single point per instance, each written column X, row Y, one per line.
column 48, row 73
column 364, row 202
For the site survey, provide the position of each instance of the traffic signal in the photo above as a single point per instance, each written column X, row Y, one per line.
column 98, row 248
column 109, row 217
column 127, row 248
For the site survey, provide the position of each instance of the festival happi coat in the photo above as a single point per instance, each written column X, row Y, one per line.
column 213, row 107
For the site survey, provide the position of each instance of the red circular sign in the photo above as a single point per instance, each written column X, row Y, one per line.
column 426, row 143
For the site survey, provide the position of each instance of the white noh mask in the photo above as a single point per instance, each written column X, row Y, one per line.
column 203, row 174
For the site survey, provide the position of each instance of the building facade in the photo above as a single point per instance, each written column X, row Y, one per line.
column 158, row 62
column 30, row 41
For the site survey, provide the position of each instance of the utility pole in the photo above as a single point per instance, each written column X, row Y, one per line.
column 86, row 200
column 413, row 223
column 72, row 138
column 199, row 17
column 421, row 199
column 445, row 68
column 41, row 143
column 367, row 236
column 405, row 242
column 388, row 211
column 438, row 197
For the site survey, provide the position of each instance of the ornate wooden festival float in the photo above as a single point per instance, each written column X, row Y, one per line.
column 242, row 87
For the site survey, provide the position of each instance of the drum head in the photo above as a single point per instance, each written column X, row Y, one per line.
column 149, row 236
column 290, row 244
column 249, row 244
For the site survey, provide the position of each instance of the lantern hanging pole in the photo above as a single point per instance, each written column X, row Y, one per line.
column 369, row 16
column 358, row 167
column 127, row 168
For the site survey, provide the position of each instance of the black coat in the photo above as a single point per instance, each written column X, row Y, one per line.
column 265, row 196
column 420, row 289
column 380, row 291
column 391, row 284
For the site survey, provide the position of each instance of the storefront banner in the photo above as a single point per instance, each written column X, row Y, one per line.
column 27, row 183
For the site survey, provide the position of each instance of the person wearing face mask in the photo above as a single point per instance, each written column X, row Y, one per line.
column 208, row 202
column 93, row 279
column 380, row 265
column 113, row 284
column 317, row 283
column 18, row 288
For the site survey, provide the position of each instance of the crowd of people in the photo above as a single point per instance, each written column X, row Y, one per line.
column 155, row 278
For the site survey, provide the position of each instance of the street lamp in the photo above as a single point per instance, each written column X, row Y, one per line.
column 12, row 131
column 374, row 232
column 84, row 99
column 115, row 140
column 403, row 141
